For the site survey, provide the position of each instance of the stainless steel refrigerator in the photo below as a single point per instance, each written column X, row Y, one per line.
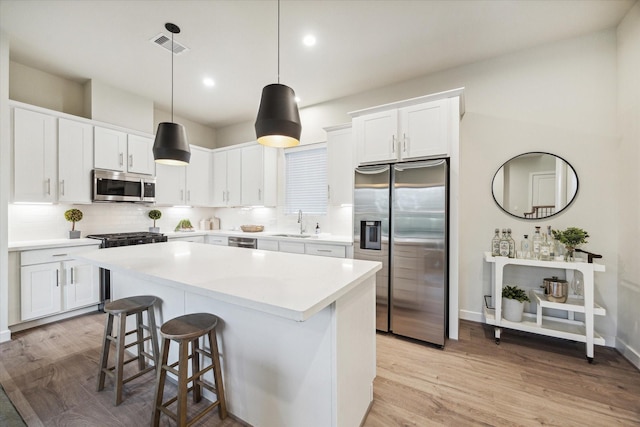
column 401, row 219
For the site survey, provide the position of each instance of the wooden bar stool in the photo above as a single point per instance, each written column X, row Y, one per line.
column 123, row 308
column 184, row 330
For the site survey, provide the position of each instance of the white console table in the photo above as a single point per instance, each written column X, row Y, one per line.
column 569, row 328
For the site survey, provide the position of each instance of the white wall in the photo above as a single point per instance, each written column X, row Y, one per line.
column 559, row 98
column 628, row 207
column 107, row 104
column 197, row 134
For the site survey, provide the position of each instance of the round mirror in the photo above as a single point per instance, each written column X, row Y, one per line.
column 535, row 185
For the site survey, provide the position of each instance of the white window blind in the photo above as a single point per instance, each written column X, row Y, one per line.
column 306, row 181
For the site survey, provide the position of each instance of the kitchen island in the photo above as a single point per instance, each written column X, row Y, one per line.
column 297, row 337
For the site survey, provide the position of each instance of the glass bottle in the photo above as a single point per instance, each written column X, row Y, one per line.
column 537, row 239
column 504, row 244
column 512, row 244
column 525, row 247
column 544, row 249
column 552, row 244
column 495, row 243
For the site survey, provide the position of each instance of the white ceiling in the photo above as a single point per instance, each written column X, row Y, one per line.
column 361, row 44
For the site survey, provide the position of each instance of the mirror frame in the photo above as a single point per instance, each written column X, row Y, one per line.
column 548, row 216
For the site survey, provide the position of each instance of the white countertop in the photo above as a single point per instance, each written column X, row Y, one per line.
column 27, row 245
column 272, row 235
column 292, row 286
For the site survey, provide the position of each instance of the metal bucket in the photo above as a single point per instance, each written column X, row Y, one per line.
column 557, row 290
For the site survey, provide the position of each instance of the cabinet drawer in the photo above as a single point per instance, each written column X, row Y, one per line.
column 291, row 247
column 41, row 256
column 193, row 239
column 337, row 251
column 217, row 240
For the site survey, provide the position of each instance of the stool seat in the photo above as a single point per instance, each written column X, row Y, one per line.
column 130, row 305
column 189, row 326
column 186, row 331
column 120, row 309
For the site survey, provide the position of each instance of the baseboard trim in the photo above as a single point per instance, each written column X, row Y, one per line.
column 628, row 352
column 5, row 335
column 50, row 319
column 473, row 316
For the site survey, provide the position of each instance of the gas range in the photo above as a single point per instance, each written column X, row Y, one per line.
column 111, row 240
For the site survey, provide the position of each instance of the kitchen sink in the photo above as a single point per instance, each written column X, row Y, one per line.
column 299, row 236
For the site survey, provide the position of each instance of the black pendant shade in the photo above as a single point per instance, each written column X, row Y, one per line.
column 171, row 146
column 278, row 122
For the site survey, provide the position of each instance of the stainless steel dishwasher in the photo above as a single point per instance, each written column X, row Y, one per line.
column 243, row 242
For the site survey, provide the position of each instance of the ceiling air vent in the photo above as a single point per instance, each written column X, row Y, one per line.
column 165, row 42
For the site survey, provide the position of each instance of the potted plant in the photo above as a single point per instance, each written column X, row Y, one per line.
column 73, row 216
column 154, row 214
column 184, row 225
column 513, row 299
column 571, row 238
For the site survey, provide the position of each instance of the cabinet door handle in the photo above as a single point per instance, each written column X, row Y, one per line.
column 62, row 187
column 130, row 160
column 121, row 159
column 57, row 277
column 181, row 195
column 404, row 143
column 71, row 275
column 393, row 144
column 188, row 195
column 324, row 250
column 59, row 255
column 48, row 186
column 328, row 192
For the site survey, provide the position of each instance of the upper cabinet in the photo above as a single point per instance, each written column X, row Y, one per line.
column 226, row 177
column 34, row 157
column 185, row 185
column 414, row 129
column 75, row 161
column 119, row 151
column 259, row 176
column 340, row 165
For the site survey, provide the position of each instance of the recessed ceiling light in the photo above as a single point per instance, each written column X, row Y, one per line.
column 208, row 82
column 309, row 40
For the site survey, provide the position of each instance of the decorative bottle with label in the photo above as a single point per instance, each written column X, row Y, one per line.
column 525, row 247
column 537, row 240
column 552, row 243
column 495, row 243
column 504, row 244
column 545, row 249
column 512, row 244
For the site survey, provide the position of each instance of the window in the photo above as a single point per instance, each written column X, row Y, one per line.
column 306, row 180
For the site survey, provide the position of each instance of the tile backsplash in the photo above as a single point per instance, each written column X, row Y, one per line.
column 38, row 222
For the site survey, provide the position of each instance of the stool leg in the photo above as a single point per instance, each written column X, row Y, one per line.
column 119, row 368
column 195, row 367
column 106, row 345
column 161, row 376
column 154, row 336
column 183, row 376
column 217, row 373
column 140, row 339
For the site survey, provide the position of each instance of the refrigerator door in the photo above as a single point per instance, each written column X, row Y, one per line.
column 371, row 230
column 419, row 276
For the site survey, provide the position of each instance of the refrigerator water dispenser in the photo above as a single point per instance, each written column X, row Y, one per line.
column 370, row 235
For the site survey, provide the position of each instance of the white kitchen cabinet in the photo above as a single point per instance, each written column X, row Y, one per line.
column 81, row 286
column 566, row 327
column 226, row 177
column 52, row 282
column 185, row 185
column 217, row 240
column 340, row 165
column 259, row 176
column 291, row 247
column 408, row 130
column 192, row 239
column 75, row 161
column 268, row 245
column 119, row 151
column 34, row 155
column 336, row 251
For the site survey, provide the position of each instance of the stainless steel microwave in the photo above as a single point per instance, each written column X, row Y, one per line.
column 111, row 186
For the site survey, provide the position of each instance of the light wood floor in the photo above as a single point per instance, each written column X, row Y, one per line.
column 50, row 374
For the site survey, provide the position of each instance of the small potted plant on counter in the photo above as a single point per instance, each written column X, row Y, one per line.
column 513, row 299
column 184, row 225
column 73, row 216
column 154, row 214
column 571, row 238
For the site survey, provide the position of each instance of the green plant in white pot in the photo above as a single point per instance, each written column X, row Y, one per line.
column 73, row 216
column 154, row 214
column 513, row 299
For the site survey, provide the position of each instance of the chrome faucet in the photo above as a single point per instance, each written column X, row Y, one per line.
column 302, row 230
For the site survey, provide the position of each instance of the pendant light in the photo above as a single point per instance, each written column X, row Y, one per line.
column 278, row 122
column 171, row 146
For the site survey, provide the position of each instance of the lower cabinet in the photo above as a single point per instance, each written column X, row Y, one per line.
column 336, row 251
column 217, row 240
column 194, row 239
column 51, row 282
column 291, row 247
column 268, row 245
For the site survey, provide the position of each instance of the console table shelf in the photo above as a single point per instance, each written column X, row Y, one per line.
column 569, row 328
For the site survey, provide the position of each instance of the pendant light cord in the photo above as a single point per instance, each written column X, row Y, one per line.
column 278, row 41
column 172, row 77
